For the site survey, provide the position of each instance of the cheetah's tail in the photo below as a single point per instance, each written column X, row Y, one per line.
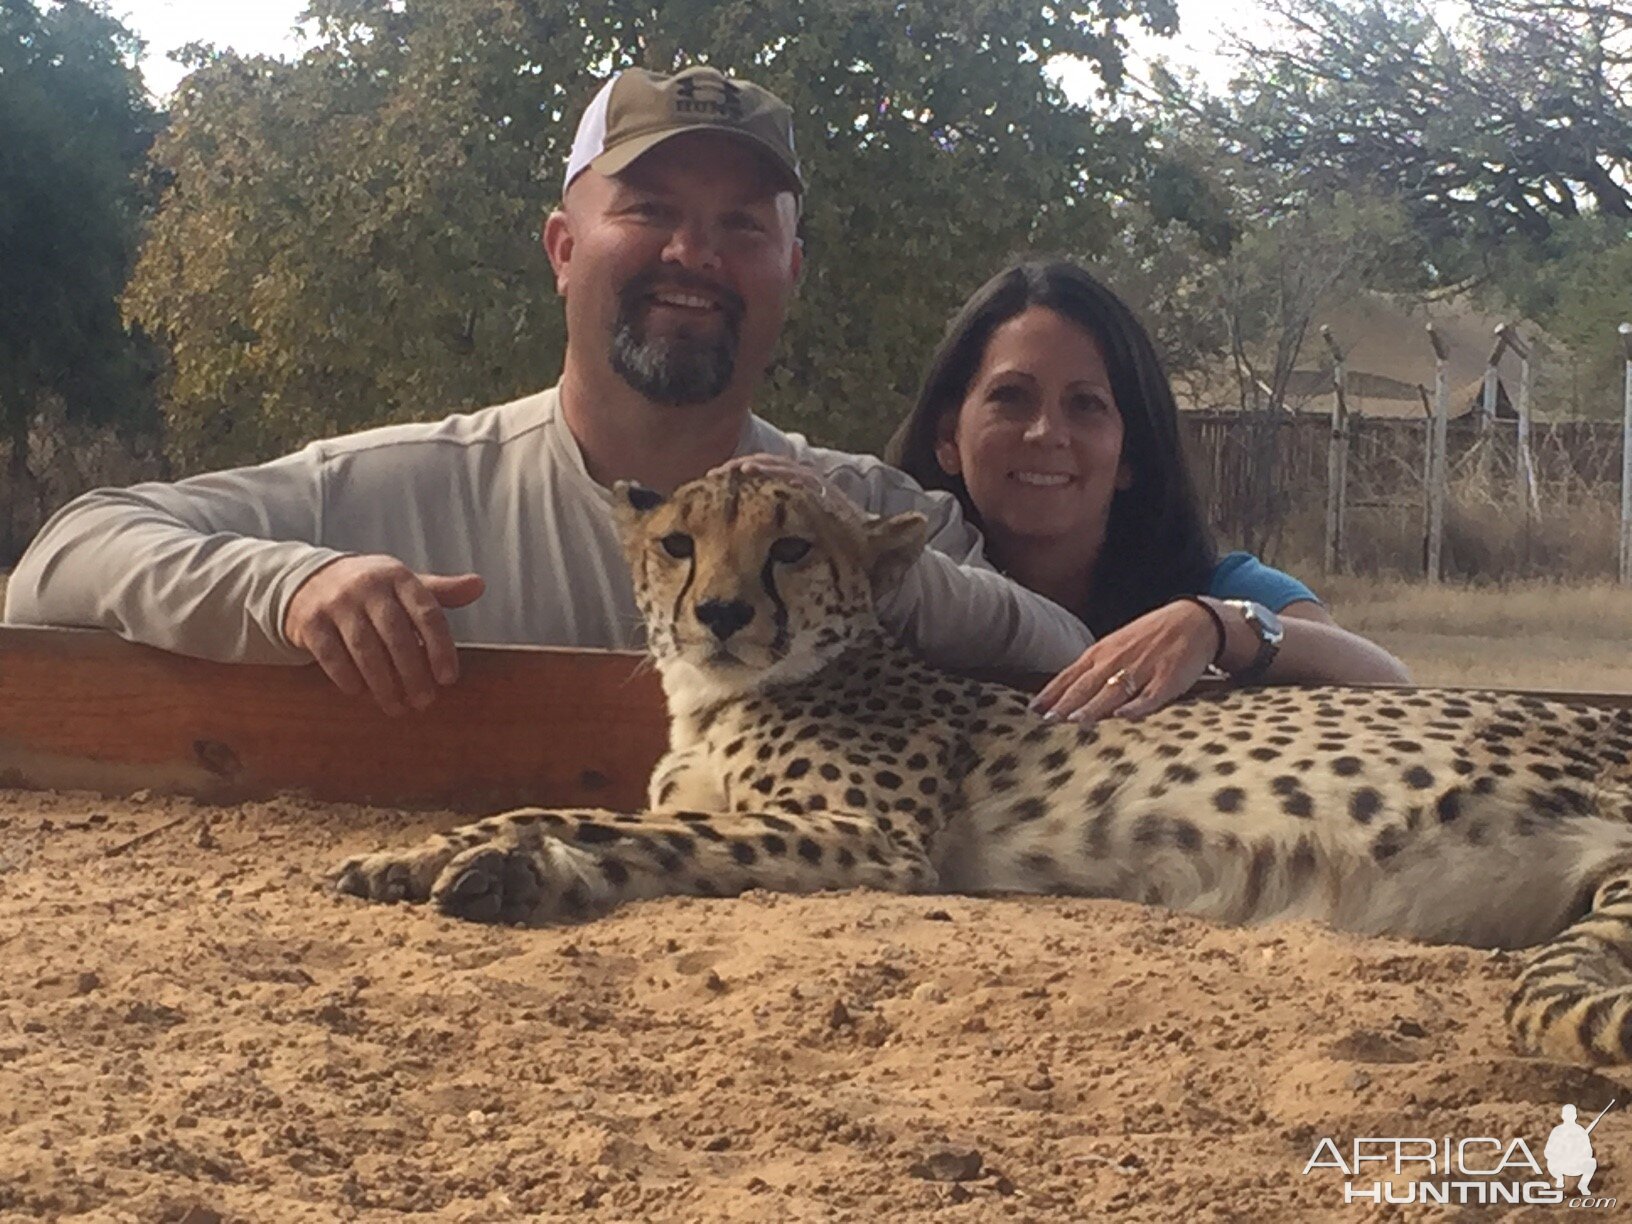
column 1573, row 1001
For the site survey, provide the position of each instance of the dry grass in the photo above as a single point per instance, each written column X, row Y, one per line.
column 1538, row 635
column 1592, row 611
column 1528, row 602
column 1485, row 541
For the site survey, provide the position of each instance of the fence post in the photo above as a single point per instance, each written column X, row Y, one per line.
column 1523, row 463
column 1427, row 465
column 1436, row 454
column 1487, row 414
column 1625, row 330
column 1337, row 460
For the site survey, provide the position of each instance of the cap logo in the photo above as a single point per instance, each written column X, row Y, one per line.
column 728, row 105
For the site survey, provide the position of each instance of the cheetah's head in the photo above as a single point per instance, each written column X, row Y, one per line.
column 747, row 581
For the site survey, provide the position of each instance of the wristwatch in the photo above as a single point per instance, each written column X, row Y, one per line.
column 1268, row 627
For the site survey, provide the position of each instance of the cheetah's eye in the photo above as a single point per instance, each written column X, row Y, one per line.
column 789, row 550
column 677, row 544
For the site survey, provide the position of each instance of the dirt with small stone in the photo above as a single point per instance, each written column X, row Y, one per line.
column 193, row 1030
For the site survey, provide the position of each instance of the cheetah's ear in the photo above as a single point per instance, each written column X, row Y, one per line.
column 893, row 544
column 635, row 496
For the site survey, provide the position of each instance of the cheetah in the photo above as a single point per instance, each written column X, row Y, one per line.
column 810, row 751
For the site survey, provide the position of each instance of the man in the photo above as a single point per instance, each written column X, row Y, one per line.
column 675, row 249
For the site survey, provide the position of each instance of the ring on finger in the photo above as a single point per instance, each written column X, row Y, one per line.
column 1125, row 682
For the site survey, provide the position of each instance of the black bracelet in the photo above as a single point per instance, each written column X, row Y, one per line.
column 1218, row 624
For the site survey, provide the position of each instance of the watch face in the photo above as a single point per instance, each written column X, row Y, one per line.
column 1267, row 623
column 1273, row 628
column 1267, row 626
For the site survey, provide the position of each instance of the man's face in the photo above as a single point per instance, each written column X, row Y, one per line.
column 679, row 270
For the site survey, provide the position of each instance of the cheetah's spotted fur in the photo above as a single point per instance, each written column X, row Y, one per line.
column 809, row 752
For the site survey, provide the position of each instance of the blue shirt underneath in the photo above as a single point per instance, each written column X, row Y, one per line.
column 1240, row 575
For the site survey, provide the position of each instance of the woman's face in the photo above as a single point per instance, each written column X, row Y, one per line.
column 1038, row 439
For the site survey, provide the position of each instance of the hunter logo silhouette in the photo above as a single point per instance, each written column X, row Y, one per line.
column 692, row 99
column 1569, row 1149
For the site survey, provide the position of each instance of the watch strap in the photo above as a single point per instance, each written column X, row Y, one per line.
column 1269, row 644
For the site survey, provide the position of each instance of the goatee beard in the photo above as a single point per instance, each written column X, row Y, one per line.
column 680, row 368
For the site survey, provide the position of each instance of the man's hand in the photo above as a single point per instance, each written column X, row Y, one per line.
column 778, row 467
column 375, row 626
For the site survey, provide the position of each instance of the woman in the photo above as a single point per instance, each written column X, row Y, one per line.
column 1047, row 413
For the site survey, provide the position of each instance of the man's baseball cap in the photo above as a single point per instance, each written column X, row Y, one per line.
column 638, row 110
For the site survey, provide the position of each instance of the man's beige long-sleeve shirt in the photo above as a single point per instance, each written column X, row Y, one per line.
column 207, row 566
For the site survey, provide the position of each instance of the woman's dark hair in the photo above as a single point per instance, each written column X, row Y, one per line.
column 1157, row 545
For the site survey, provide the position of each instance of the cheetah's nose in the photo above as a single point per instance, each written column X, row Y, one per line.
column 724, row 616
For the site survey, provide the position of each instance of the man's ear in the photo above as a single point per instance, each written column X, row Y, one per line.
column 558, row 243
column 893, row 544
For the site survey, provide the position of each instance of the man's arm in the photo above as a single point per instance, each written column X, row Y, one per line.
column 952, row 606
column 959, row 612
column 203, row 567
column 229, row 566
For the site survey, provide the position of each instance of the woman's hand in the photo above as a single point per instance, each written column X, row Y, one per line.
column 1137, row 669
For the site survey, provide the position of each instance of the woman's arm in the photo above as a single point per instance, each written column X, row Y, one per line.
column 1150, row 661
column 1315, row 649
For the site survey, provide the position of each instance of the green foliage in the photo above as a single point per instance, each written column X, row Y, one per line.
column 1577, row 285
column 76, row 127
column 942, row 152
column 350, row 240
column 1505, row 126
column 1180, row 192
column 353, row 238
column 1593, row 303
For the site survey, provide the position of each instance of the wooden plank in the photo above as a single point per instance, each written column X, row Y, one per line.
column 560, row 728
column 83, row 710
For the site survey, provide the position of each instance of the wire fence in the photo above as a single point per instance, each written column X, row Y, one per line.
column 1266, row 482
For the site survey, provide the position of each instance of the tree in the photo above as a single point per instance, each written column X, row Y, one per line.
column 1506, row 125
column 1577, row 285
column 1231, row 262
column 77, row 125
column 1288, row 269
column 353, row 238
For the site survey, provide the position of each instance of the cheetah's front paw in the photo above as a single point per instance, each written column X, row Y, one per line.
column 390, row 875
column 489, row 883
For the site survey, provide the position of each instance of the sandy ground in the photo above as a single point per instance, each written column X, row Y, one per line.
column 192, row 1030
